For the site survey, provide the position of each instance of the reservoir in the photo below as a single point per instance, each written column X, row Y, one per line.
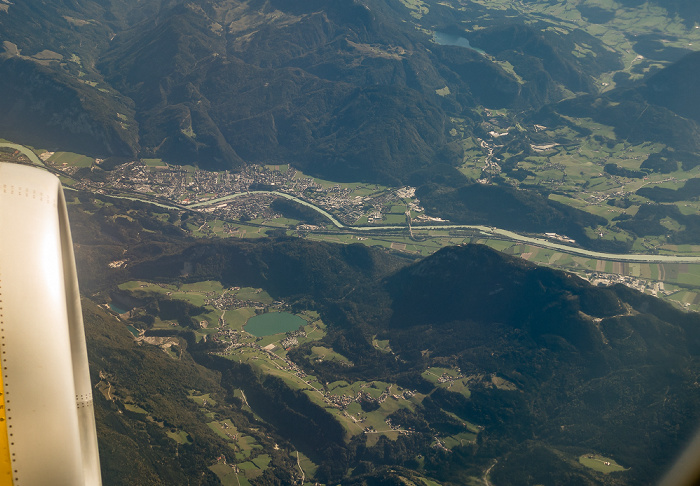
column 116, row 308
column 445, row 39
column 273, row 323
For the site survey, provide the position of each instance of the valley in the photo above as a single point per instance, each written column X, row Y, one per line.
column 375, row 242
column 232, row 209
column 360, row 407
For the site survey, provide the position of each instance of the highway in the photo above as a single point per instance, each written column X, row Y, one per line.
column 485, row 230
column 212, row 202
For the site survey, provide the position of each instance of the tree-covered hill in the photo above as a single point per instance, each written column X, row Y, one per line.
column 556, row 368
column 579, row 368
column 664, row 108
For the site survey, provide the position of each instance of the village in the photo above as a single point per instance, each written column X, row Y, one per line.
column 606, row 279
column 238, row 345
column 283, row 363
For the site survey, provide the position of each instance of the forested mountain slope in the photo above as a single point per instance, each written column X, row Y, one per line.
column 556, row 368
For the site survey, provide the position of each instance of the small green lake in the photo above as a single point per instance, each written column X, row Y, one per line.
column 133, row 330
column 273, row 323
column 116, row 308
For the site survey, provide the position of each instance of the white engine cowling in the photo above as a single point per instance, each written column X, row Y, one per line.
column 49, row 435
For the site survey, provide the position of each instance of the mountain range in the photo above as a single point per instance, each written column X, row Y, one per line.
column 492, row 369
column 343, row 89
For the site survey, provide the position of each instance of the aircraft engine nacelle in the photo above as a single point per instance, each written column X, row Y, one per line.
column 49, row 423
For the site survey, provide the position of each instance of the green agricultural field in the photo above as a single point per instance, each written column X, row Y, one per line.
column 67, row 184
column 394, row 219
column 179, row 436
column 311, row 316
column 133, row 285
column 242, row 444
column 600, row 463
column 246, row 231
column 307, row 465
column 375, row 389
column 172, row 325
column 356, row 188
column 250, row 470
column 216, row 227
column 263, row 363
column 153, row 162
column 282, row 222
column 499, row 244
column 236, row 318
column 146, row 287
column 459, row 439
column 475, row 429
column 314, row 332
column 211, row 318
column 256, row 295
column 195, row 298
column 338, row 386
column 204, row 286
column 226, row 474
column 433, row 373
column 279, row 168
column 71, row 159
column 246, row 444
column 327, row 354
column 452, row 383
column 430, row 482
column 262, row 461
column 197, row 294
column 363, row 221
column 382, row 345
column 223, row 429
column 272, row 339
column 457, row 386
column 131, row 407
column 202, row 399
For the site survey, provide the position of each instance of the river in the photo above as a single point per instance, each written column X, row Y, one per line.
column 30, row 155
column 486, row 230
column 217, row 200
